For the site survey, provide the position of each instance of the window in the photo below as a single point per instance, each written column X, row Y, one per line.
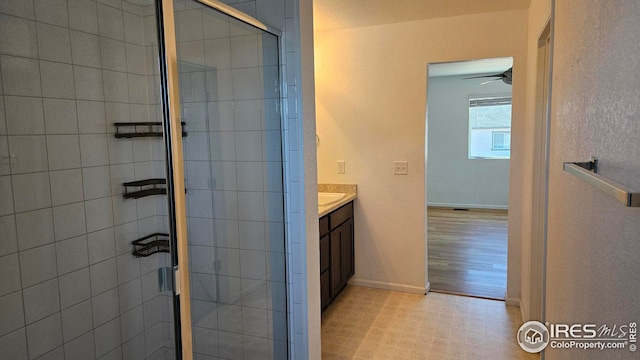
column 490, row 127
column 500, row 140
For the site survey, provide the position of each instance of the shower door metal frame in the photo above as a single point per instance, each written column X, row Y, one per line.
column 172, row 129
column 170, row 95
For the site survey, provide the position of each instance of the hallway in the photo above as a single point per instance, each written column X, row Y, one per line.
column 366, row 323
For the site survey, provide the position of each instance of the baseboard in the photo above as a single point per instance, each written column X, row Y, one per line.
column 469, row 206
column 389, row 286
column 512, row 302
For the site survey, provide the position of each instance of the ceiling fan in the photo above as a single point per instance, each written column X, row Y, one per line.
column 506, row 77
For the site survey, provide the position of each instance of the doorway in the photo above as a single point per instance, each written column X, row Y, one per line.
column 467, row 177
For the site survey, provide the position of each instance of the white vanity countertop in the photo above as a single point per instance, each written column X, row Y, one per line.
column 349, row 189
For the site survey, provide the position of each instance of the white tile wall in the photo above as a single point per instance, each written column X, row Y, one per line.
column 107, row 337
column 20, row 76
column 66, row 186
column 30, row 153
column 83, row 16
column 115, row 86
column 85, row 49
column 88, row 83
column 11, row 310
column 30, row 236
column 62, row 57
column 81, row 347
column 91, row 117
column 105, row 307
column 101, row 245
column 38, row 265
column 217, row 53
column 103, row 276
column 60, row 116
column 18, row 8
column 24, row 115
column 6, row 207
column 219, row 85
column 130, row 296
column 221, row 116
column 244, row 51
column 9, row 242
column 41, row 300
column 72, row 254
column 57, row 80
column 74, row 287
column 244, row 83
column 30, row 191
column 53, row 43
column 69, row 221
column 18, row 30
column 52, row 12
column 48, row 333
column 10, row 275
column 110, row 22
column 96, row 182
column 248, row 114
column 14, row 345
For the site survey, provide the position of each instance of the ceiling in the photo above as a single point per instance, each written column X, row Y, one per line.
column 471, row 67
column 336, row 14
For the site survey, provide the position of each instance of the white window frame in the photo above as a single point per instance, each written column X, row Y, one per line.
column 499, row 99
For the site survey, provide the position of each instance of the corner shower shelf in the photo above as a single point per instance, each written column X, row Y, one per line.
column 150, row 245
column 134, row 129
column 146, row 188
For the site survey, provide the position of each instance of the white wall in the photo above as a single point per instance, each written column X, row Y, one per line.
column 370, row 99
column 592, row 246
column 452, row 178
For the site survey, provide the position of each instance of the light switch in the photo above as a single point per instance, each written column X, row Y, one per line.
column 401, row 167
column 340, row 166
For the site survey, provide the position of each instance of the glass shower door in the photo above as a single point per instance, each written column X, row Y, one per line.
column 229, row 84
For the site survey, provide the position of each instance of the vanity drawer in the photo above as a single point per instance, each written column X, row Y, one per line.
column 324, row 226
column 341, row 215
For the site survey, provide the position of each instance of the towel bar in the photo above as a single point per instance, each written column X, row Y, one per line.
column 588, row 172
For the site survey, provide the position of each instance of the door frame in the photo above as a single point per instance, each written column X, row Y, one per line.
column 540, row 180
column 426, row 158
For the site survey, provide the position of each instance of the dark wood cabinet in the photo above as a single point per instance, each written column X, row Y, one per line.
column 336, row 252
column 335, row 262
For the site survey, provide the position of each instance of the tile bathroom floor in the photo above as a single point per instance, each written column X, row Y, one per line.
column 366, row 323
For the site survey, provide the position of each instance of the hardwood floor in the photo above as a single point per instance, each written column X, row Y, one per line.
column 468, row 251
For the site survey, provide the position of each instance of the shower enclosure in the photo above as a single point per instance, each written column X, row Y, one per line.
column 141, row 182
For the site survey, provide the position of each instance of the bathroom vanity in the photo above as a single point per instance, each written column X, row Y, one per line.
column 336, row 245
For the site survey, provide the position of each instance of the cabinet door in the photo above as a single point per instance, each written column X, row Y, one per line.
column 347, row 250
column 325, row 289
column 336, row 260
column 324, row 253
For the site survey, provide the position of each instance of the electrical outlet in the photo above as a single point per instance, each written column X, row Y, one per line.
column 340, row 166
column 401, row 167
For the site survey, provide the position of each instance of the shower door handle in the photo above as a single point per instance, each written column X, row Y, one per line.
column 166, row 279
